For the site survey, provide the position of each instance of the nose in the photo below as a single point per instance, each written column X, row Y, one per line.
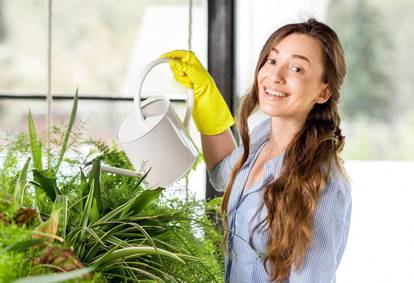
column 277, row 74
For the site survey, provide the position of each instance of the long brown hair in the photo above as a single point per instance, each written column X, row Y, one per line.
column 292, row 198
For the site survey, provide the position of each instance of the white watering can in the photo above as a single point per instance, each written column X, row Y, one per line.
column 153, row 136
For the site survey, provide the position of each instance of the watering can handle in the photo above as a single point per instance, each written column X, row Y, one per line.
column 137, row 98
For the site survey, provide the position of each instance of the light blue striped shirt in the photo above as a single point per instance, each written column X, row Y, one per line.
column 243, row 264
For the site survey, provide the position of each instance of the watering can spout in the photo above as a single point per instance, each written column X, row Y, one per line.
column 115, row 170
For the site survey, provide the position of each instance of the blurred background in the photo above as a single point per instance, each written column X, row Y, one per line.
column 102, row 46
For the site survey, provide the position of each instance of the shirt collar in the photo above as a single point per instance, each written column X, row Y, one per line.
column 259, row 136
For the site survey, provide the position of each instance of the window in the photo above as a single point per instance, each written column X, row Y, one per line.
column 100, row 47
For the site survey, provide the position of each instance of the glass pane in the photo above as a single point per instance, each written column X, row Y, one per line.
column 99, row 46
column 23, row 47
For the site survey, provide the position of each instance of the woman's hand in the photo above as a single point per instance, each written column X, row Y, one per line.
column 210, row 113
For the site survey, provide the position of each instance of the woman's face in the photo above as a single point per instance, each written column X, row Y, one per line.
column 290, row 81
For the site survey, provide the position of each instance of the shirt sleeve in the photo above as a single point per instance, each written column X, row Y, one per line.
column 219, row 175
column 331, row 227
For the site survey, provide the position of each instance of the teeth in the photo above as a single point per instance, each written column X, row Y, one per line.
column 275, row 93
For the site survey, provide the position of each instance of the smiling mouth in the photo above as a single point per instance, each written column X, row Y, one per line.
column 275, row 93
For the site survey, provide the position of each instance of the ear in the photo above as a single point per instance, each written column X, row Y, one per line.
column 324, row 95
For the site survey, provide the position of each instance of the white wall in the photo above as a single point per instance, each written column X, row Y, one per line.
column 381, row 239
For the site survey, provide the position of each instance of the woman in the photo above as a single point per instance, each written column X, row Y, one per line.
column 287, row 201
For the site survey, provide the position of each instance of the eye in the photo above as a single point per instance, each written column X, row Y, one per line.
column 270, row 61
column 296, row 69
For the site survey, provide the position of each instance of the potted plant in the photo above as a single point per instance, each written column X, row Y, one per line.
column 94, row 226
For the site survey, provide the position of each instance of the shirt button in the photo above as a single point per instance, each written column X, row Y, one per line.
column 260, row 255
column 233, row 254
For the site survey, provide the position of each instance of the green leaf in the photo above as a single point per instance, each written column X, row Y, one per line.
column 114, row 213
column 46, row 182
column 86, row 212
column 149, row 267
column 35, row 144
column 24, row 245
column 56, row 277
column 61, row 206
column 68, row 131
column 143, row 200
column 21, row 183
column 104, row 238
column 142, row 179
column 84, row 188
column 95, row 184
column 134, row 251
column 94, row 215
column 143, row 272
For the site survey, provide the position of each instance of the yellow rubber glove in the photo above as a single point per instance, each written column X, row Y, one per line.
column 210, row 113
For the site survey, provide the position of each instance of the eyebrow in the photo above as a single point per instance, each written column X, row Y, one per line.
column 294, row 55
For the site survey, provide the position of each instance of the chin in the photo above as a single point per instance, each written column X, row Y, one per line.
column 269, row 111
